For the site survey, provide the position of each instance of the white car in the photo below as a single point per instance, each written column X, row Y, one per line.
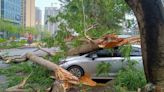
column 87, row 63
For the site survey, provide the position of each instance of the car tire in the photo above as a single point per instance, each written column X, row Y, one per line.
column 76, row 71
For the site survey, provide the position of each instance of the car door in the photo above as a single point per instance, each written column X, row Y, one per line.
column 108, row 57
column 135, row 55
column 135, row 58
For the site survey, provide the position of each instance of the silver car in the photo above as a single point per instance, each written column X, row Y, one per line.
column 87, row 63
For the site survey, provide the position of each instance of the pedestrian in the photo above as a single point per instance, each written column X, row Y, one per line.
column 30, row 39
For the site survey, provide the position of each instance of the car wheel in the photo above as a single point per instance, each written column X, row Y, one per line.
column 76, row 71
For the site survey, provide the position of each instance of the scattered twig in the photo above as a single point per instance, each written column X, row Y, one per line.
column 49, row 53
column 19, row 87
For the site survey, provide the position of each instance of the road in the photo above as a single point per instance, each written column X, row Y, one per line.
column 3, row 79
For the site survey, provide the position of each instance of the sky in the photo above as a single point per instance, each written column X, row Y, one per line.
column 46, row 3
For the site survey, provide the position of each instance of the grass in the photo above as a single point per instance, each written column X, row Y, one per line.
column 39, row 78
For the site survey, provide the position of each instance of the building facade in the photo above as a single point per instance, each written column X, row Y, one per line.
column 22, row 12
column 0, row 8
column 28, row 13
column 11, row 11
column 38, row 16
column 38, row 21
column 51, row 27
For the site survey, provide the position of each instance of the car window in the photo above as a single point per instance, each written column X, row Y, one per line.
column 135, row 51
column 115, row 52
column 104, row 53
column 107, row 53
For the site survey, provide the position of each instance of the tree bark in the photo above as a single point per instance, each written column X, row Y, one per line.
column 85, row 48
column 60, row 74
column 150, row 17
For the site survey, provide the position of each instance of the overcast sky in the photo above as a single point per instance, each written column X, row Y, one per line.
column 46, row 3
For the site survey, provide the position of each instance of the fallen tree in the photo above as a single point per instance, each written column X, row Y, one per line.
column 63, row 78
column 107, row 41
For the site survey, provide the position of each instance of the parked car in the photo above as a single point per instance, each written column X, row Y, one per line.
column 87, row 63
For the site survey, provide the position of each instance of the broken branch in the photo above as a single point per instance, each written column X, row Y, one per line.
column 85, row 32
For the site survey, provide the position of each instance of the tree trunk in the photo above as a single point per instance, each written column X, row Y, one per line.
column 107, row 41
column 60, row 74
column 85, row 48
column 150, row 17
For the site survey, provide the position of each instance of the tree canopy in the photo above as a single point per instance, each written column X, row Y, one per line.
column 79, row 14
column 76, row 16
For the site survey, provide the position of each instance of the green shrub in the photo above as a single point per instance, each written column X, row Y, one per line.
column 50, row 41
column 13, row 44
column 16, row 44
column 129, row 77
column 2, row 40
column 132, row 79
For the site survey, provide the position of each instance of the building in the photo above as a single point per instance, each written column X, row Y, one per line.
column 11, row 10
column 38, row 16
column 22, row 12
column 51, row 27
column 28, row 13
column 0, row 8
column 38, row 21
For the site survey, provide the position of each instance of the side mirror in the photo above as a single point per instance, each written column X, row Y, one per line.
column 92, row 56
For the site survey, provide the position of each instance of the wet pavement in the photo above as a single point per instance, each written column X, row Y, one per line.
column 3, row 83
column 3, row 65
column 23, row 51
column 3, row 79
column 16, row 52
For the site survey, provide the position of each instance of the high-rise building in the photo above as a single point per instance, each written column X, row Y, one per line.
column 22, row 12
column 0, row 8
column 11, row 10
column 38, row 16
column 28, row 13
column 51, row 27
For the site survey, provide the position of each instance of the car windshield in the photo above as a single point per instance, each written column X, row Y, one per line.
column 115, row 52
